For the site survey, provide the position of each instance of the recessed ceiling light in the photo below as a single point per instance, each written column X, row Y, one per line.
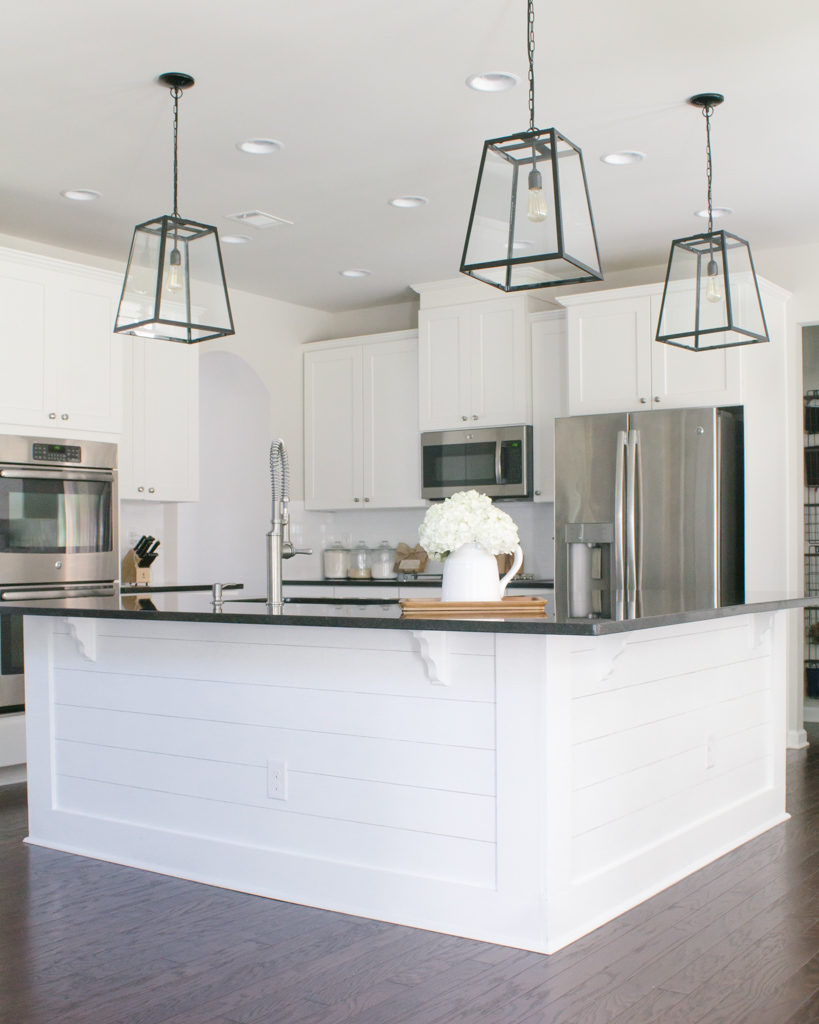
column 355, row 272
column 716, row 211
column 493, row 81
column 260, row 147
column 235, row 239
column 626, row 156
column 409, row 202
column 82, row 195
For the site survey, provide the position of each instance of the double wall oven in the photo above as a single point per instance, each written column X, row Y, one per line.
column 58, row 533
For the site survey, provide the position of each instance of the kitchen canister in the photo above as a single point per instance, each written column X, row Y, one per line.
column 360, row 562
column 382, row 562
column 336, row 561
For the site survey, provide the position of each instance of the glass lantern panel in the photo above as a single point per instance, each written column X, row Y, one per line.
column 576, row 217
column 679, row 310
column 489, row 228
column 748, row 316
column 139, row 289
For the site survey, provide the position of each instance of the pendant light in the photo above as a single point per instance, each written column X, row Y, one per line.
column 531, row 224
column 174, row 286
column 711, row 297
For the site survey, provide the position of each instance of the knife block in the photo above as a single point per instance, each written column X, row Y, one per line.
column 131, row 572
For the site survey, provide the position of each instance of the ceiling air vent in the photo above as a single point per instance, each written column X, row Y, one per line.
column 258, row 219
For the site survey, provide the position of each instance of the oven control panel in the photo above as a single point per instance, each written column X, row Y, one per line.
column 56, row 452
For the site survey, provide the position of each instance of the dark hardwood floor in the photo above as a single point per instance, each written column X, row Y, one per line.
column 83, row 942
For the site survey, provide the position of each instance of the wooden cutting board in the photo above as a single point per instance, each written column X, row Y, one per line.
column 513, row 607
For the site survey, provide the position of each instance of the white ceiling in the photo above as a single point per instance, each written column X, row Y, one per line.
column 368, row 97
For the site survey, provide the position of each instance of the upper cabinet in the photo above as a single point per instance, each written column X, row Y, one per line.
column 62, row 362
column 474, row 362
column 159, row 450
column 614, row 363
column 361, row 443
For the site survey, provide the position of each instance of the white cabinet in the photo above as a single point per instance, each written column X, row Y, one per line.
column 614, row 363
column 548, row 332
column 62, row 363
column 159, row 452
column 473, row 364
column 361, row 443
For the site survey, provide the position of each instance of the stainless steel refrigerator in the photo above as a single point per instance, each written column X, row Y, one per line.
column 649, row 514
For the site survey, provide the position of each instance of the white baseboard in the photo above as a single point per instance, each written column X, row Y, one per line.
column 11, row 774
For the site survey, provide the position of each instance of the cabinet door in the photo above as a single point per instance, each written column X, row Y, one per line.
column 549, row 387
column 609, row 356
column 681, row 378
column 499, row 356
column 23, row 339
column 391, row 440
column 442, row 355
column 86, row 360
column 159, row 452
column 333, row 476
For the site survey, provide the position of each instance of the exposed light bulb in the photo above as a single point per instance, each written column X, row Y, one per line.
column 712, row 289
column 536, row 209
column 175, row 273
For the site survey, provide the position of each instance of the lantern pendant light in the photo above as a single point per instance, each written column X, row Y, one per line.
column 711, row 297
column 531, row 224
column 174, row 286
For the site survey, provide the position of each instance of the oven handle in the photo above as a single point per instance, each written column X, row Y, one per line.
column 50, row 593
column 56, row 474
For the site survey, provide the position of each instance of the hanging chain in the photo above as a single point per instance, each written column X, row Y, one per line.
column 176, row 92
column 530, row 47
column 706, row 113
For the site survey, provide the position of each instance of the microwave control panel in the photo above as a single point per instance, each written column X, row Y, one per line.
column 56, row 453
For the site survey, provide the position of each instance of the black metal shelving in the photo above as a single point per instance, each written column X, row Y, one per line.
column 811, row 505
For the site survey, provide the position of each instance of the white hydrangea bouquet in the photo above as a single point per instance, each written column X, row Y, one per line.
column 467, row 517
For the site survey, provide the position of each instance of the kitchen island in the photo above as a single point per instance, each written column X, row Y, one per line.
column 515, row 781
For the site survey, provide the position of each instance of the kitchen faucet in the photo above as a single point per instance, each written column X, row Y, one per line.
column 279, row 545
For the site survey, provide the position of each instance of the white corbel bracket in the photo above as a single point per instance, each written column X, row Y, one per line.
column 84, row 632
column 433, row 646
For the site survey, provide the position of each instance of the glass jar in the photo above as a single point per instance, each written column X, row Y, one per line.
column 336, row 561
column 360, row 562
column 382, row 562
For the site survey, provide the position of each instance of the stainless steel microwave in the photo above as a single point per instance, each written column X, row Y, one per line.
column 494, row 460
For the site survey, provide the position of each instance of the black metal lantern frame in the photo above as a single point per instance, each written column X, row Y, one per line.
column 732, row 314
column 174, row 287
column 503, row 246
column 711, row 297
column 517, row 238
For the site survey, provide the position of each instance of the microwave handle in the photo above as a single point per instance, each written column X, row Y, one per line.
column 498, row 463
column 56, row 474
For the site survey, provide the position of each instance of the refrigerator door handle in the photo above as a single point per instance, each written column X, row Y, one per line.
column 632, row 569
column 619, row 515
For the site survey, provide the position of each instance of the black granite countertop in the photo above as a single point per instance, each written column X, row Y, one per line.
column 431, row 580
column 368, row 614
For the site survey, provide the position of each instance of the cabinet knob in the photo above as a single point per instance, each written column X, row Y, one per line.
column 656, row 398
column 643, row 401
column 64, row 416
column 53, row 416
column 151, row 490
column 537, row 492
column 366, row 499
column 356, row 499
column 140, row 489
column 464, row 417
column 474, row 417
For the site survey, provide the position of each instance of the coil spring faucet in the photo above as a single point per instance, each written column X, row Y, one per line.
column 279, row 545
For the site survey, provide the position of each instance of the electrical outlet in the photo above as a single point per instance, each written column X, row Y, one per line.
column 277, row 780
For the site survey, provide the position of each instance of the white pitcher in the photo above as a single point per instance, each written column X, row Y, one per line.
column 471, row 574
